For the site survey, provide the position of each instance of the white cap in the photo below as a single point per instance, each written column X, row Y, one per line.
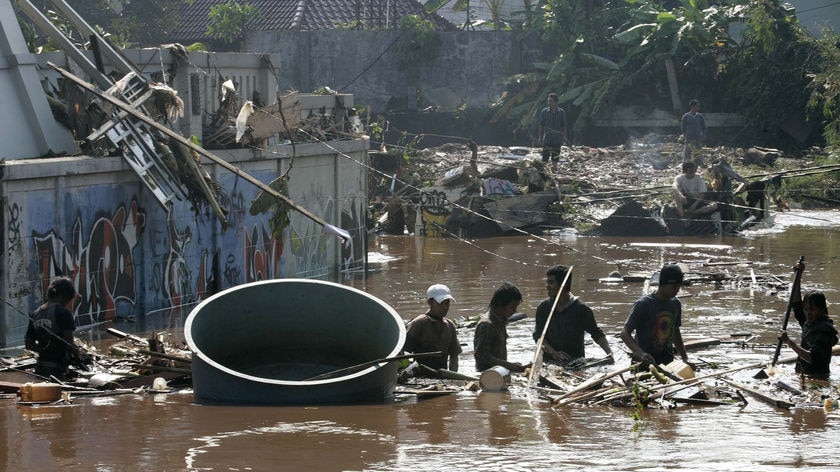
column 439, row 292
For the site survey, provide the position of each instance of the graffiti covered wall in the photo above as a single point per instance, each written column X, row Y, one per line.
column 128, row 256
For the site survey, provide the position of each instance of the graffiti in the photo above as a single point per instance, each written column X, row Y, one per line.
column 434, row 202
column 262, row 255
column 176, row 271
column 156, row 284
column 494, row 186
column 434, row 210
column 307, row 241
column 102, row 269
column 232, row 273
column 235, row 203
column 14, row 226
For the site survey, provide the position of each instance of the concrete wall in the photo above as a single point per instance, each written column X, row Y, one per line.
column 469, row 67
column 816, row 15
column 91, row 219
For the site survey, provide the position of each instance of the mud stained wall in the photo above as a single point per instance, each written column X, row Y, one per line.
column 92, row 220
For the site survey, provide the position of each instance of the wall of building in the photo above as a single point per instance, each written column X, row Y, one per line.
column 468, row 69
column 92, row 220
column 817, row 15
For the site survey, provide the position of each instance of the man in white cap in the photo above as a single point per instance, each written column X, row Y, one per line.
column 432, row 331
column 656, row 319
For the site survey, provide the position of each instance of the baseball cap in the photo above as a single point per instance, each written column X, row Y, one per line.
column 670, row 274
column 439, row 292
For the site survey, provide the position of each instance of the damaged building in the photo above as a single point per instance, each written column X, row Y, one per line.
column 156, row 177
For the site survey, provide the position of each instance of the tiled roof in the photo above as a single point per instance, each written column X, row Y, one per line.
column 305, row 15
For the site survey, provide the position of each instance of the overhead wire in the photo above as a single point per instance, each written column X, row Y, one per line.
column 473, row 212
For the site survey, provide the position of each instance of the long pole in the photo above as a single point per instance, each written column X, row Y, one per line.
column 797, row 275
column 367, row 364
column 186, row 142
column 536, row 365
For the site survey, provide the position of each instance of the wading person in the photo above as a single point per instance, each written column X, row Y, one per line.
column 656, row 320
column 50, row 330
column 694, row 132
column 572, row 318
column 432, row 331
column 818, row 332
column 552, row 129
column 490, row 341
column 689, row 190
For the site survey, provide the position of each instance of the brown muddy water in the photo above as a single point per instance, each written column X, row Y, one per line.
column 487, row 431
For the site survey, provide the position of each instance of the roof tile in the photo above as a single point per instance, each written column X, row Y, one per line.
column 305, row 15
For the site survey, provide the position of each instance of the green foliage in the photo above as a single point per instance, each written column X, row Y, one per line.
column 418, row 44
column 765, row 79
column 825, row 87
column 266, row 202
column 616, row 55
column 196, row 47
column 230, row 20
column 349, row 25
column 432, row 6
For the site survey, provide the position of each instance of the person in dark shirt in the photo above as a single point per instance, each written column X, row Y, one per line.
column 50, row 330
column 572, row 318
column 552, row 128
column 656, row 320
column 818, row 332
column 694, row 131
column 490, row 341
column 432, row 331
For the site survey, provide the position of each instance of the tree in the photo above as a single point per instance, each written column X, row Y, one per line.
column 825, row 88
column 612, row 53
column 418, row 44
column 229, row 21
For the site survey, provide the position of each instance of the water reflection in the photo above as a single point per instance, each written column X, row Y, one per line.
column 478, row 431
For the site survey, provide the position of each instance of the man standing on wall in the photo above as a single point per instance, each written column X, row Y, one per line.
column 694, row 132
column 552, row 129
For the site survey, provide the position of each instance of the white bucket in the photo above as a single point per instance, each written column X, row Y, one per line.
column 494, row 379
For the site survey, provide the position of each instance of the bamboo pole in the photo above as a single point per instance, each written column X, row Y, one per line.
column 536, row 364
column 596, row 380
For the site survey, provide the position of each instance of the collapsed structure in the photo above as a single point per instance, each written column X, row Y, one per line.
column 121, row 197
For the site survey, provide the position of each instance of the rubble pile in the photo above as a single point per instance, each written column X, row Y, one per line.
column 590, row 182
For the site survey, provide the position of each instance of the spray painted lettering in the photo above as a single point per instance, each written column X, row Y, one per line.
column 102, row 269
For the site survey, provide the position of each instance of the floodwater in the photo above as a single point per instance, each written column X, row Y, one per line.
column 491, row 431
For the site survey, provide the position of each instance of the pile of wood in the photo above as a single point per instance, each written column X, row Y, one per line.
column 132, row 365
column 665, row 387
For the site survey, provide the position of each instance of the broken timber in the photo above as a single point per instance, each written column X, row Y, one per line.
column 777, row 402
column 186, row 142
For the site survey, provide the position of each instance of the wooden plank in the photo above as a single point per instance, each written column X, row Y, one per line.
column 420, row 392
column 702, row 402
column 771, row 400
column 122, row 335
column 160, row 368
column 700, row 343
column 165, row 356
column 10, row 387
